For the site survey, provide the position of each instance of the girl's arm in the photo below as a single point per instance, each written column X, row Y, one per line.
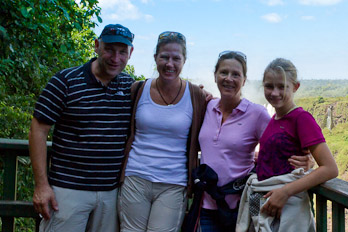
column 327, row 170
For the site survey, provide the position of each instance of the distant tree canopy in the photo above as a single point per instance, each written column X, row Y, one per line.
column 37, row 39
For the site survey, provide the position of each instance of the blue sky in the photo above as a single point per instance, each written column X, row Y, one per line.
column 311, row 33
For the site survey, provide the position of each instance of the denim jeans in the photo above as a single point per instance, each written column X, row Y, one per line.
column 209, row 221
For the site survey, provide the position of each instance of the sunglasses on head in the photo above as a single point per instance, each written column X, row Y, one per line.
column 241, row 54
column 171, row 34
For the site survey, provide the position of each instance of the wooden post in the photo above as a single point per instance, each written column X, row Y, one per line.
column 10, row 186
column 321, row 213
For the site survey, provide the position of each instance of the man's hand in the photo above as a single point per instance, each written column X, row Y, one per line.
column 43, row 197
column 209, row 96
column 44, row 200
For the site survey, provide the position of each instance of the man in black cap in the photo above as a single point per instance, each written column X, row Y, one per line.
column 90, row 106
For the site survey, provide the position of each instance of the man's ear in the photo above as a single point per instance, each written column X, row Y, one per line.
column 130, row 52
column 96, row 45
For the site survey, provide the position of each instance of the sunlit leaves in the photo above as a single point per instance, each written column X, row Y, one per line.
column 36, row 33
column 99, row 19
column 25, row 11
column 63, row 48
column 37, row 39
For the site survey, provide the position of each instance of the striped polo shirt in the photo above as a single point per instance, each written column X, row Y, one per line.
column 91, row 125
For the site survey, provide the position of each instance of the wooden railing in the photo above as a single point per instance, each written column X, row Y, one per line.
column 10, row 208
column 335, row 190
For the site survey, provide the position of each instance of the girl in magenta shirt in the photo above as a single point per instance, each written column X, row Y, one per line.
column 290, row 130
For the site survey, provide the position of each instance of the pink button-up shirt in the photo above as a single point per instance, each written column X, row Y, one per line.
column 228, row 148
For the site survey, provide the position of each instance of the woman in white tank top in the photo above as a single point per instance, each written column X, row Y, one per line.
column 153, row 195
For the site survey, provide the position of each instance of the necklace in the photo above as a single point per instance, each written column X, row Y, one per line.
column 277, row 117
column 162, row 95
column 291, row 109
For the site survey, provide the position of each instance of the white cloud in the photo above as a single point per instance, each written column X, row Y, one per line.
column 110, row 3
column 274, row 2
column 272, row 18
column 122, row 10
column 308, row 17
column 319, row 2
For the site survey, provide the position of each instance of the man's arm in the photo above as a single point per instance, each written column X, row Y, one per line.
column 43, row 197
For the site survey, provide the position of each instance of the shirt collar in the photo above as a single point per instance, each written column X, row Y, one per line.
column 243, row 105
column 89, row 76
column 87, row 70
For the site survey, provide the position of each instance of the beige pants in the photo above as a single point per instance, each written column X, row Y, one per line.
column 147, row 206
column 79, row 211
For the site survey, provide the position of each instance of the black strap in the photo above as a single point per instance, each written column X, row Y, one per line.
column 136, row 92
column 206, row 179
column 237, row 185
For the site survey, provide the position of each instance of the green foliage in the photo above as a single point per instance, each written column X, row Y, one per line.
column 321, row 100
column 323, row 88
column 40, row 37
column 15, row 115
column 37, row 39
column 337, row 140
column 25, row 183
column 318, row 107
column 131, row 71
column 25, row 190
column 25, row 224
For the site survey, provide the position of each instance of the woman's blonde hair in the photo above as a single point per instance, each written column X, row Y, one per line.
column 284, row 67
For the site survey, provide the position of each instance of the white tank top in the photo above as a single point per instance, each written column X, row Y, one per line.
column 158, row 152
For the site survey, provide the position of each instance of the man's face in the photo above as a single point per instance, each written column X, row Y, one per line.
column 112, row 57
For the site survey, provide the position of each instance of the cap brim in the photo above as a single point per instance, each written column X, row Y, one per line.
column 116, row 39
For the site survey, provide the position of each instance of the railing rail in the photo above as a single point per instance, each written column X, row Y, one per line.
column 10, row 208
column 335, row 190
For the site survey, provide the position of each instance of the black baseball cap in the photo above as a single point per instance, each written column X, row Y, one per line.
column 116, row 33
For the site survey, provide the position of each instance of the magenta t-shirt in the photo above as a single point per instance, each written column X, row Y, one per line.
column 283, row 138
column 228, row 148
